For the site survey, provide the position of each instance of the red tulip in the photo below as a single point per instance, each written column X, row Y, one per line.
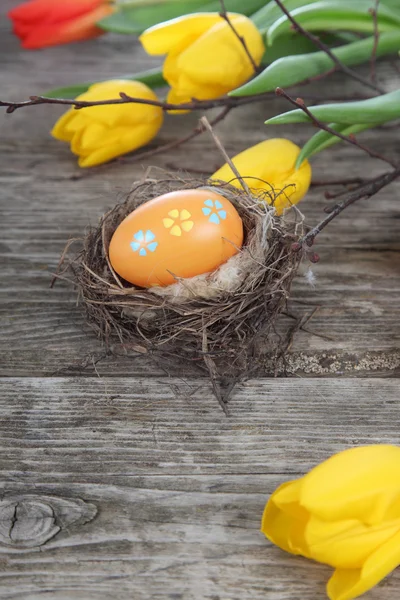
column 41, row 23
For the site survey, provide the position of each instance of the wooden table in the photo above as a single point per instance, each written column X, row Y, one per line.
column 119, row 481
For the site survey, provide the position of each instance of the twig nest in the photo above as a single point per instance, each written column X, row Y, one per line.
column 215, row 318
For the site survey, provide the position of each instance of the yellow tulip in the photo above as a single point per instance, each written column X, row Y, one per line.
column 345, row 513
column 269, row 170
column 100, row 133
column 205, row 59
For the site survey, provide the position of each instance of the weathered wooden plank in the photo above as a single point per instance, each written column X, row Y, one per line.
column 167, row 425
column 47, row 200
column 356, row 328
column 178, row 488
column 357, row 279
column 139, row 487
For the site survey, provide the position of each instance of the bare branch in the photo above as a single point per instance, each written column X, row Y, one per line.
column 183, row 140
column 223, row 101
column 299, row 103
column 347, row 181
column 365, row 191
column 228, row 160
column 316, row 40
column 374, row 13
column 125, row 99
column 224, row 15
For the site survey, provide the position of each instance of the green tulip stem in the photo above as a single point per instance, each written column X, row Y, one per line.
column 320, row 44
column 336, row 15
column 300, row 104
column 290, row 70
column 377, row 110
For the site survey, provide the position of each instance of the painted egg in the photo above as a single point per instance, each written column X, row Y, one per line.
column 180, row 234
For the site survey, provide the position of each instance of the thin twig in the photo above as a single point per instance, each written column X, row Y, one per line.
column 223, row 101
column 327, row 182
column 204, row 121
column 183, row 140
column 332, row 195
column 212, row 369
column 299, row 324
column 61, row 261
column 299, row 103
column 224, row 15
column 365, row 191
column 125, row 99
column 374, row 13
column 316, row 40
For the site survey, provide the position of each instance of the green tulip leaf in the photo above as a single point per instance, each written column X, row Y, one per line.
column 328, row 15
column 322, row 140
column 271, row 12
column 295, row 44
column 133, row 20
column 380, row 109
column 289, row 70
column 245, row 7
column 134, row 17
column 153, row 78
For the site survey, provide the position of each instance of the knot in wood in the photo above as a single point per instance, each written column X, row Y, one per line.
column 27, row 521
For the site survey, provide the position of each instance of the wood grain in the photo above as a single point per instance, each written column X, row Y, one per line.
column 179, row 488
column 119, row 481
column 31, row 520
column 48, row 200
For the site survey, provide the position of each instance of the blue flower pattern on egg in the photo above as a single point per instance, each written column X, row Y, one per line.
column 144, row 242
column 213, row 210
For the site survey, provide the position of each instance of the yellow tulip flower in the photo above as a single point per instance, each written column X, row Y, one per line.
column 345, row 513
column 205, row 59
column 100, row 133
column 269, row 170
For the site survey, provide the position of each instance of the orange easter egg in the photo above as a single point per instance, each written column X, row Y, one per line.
column 180, row 234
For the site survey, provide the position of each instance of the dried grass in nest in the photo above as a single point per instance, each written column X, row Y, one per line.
column 219, row 327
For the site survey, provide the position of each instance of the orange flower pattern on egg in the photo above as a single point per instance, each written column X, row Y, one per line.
column 178, row 235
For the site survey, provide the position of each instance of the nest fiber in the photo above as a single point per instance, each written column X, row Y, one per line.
column 214, row 319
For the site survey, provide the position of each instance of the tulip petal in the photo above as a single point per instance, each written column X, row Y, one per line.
column 42, row 23
column 82, row 28
column 96, row 135
column 100, row 133
column 365, row 547
column 89, row 138
column 111, row 115
column 171, row 70
column 292, row 189
column 269, row 168
column 181, row 32
column 39, row 11
column 127, row 141
column 205, row 57
column 61, row 130
column 99, row 156
column 174, row 97
column 346, row 543
column 346, row 584
column 217, row 58
column 360, row 483
column 273, row 159
column 284, row 520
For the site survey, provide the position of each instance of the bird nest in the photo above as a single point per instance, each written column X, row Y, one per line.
column 218, row 321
